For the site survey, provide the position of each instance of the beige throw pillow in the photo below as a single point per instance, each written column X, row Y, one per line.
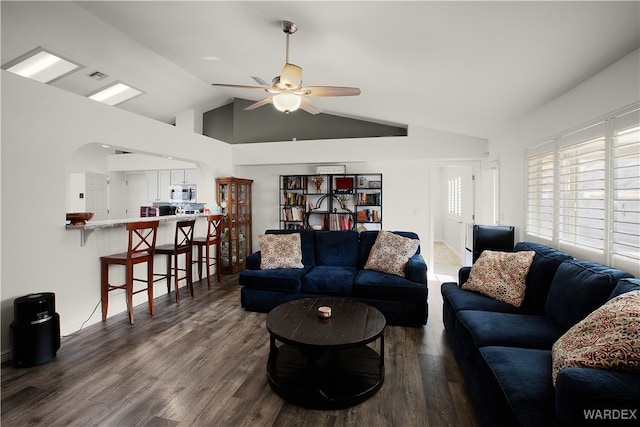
column 280, row 251
column 501, row 275
column 391, row 252
column 608, row 338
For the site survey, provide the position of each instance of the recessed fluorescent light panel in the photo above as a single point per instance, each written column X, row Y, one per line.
column 114, row 94
column 41, row 65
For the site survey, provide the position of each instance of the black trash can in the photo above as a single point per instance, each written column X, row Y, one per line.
column 35, row 330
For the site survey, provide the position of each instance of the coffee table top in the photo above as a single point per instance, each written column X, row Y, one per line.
column 351, row 323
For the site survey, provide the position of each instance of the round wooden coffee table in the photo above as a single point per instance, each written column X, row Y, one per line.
column 325, row 363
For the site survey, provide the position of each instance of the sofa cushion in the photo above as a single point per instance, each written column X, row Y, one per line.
column 578, row 288
column 519, row 390
column 280, row 251
column 279, row 279
column 329, row 280
column 307, row 241
column 509, row 329
column 374, row 284
column 459, row 299
column 543, row 268
column 337, row 248
column 625, row 285
column 390, row 253
column 608, row 338
column 501, row 275
column 598, row 391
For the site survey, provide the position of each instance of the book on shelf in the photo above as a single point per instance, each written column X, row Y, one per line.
column 293, row 213
column 291, row 198
column 369, row 199
column 294, row 182
column 340, row 221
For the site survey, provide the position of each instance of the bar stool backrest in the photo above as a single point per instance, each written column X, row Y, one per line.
column 213, row 229
column 142, row 238
column 184, row 234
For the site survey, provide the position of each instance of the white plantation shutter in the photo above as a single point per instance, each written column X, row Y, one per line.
column 582, row 177
column 625, row 159
column 539, row 213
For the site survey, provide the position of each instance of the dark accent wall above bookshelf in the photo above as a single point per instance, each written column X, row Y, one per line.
column 331, row 202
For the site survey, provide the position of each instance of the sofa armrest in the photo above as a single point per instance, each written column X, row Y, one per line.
column 416, row 269
column 583, row 394
column 253, row 261
column 463, row 275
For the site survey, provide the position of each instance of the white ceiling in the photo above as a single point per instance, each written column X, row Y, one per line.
column 463, row 67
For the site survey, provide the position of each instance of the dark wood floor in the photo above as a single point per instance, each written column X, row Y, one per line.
column 203, row 363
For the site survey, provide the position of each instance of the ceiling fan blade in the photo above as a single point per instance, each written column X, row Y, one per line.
column 291, row 76
column 263, row 101
column 331, row 91
column 240, row 86
column 259, row 81
column 309, row 106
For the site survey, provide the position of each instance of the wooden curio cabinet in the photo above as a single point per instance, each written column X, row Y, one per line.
column 234, row 197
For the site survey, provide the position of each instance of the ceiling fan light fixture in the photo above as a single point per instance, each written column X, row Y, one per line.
column 287, row 102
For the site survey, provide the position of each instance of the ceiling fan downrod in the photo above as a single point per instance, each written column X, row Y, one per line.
column 289, row 28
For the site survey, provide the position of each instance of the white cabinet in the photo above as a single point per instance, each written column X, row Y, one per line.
column 158, row 185
column 183, row 176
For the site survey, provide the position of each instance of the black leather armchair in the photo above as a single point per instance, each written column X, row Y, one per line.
column 492, row 237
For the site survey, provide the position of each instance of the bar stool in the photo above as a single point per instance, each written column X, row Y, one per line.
column 214, row 225
column 181, row 245
column 142, row 243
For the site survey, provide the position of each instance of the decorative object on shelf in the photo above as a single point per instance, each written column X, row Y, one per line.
column 375, row 184
column 343, row 202
column 344, row 185
column 79, row 218
column 318, row 180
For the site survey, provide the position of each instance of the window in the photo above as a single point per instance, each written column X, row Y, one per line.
column 454, row 188
column 625, row 233
column 583, row 192
column 540, row 195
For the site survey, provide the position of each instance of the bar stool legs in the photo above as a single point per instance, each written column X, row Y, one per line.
column 183, row 241
column 214, row 224
column 142, row 242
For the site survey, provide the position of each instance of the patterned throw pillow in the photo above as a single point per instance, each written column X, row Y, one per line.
column 280, row 251
column 391, row 252
column 501, row 275
column 608, row 338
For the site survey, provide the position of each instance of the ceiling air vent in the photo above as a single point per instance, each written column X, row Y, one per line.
column 97, row 75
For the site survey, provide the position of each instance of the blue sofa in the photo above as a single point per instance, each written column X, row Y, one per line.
column 333, row 266
column 505, row 353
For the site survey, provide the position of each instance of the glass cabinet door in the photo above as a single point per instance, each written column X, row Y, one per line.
column 234, row 197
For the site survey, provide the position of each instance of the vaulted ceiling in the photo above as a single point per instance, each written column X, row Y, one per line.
column 463, row 67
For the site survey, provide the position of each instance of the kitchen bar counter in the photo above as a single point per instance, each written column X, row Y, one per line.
column 86, row 229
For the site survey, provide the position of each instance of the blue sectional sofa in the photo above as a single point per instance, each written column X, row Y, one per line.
column 505, row 353
column 334, row 266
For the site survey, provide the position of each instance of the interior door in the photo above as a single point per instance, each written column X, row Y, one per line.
column 97, row 195
column 136, row 185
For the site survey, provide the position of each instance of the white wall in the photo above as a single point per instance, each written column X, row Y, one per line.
column 42, row 130
column 405, row 164
column 614, row 87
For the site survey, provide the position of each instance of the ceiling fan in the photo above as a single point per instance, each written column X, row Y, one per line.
column 287, row 93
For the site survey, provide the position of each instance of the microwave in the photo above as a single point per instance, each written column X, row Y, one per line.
column 182, row 194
